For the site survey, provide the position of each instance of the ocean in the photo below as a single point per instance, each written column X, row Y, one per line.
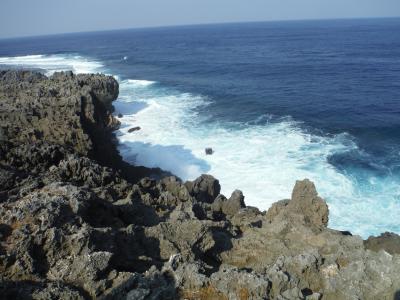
column 276, row 101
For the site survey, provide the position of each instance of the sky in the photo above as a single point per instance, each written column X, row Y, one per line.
column 42, row 17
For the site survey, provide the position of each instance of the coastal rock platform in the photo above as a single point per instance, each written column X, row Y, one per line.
column 77, row 222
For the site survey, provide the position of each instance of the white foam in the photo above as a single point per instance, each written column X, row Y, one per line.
column 264, row 161
column 140, row 83
column 54, row 63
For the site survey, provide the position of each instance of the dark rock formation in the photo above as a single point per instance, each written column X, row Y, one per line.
column 205, row 188
column 67, row 110
column 134, row 129
column 209, row 151
column 76, row 222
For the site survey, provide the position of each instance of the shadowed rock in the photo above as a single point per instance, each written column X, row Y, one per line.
column 205, row 188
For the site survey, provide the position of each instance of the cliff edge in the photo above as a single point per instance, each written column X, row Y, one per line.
column 76, row 222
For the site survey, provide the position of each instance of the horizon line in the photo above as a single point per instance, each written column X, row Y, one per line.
column 191, row 25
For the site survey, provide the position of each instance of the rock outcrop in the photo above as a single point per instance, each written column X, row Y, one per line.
column 67, row 110
column 76, row 222
column 388, row 241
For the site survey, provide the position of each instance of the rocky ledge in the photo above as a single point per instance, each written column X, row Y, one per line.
column 76, row 222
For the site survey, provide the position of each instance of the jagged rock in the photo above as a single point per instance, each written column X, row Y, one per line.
column 388, row 241
column 66, row 109
column 227, row 207
column 305, row 203
column 205, row 188
column 191, row 238
column 235, row 284
column 305, row 200
column 38, row 291
column 248, row 217
column 225, row 283
column 104, row 88
column 175, row 187
column 234, row 203
column 302, row 258
column 76, row 222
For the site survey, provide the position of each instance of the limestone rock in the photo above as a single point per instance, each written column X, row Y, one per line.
column 388, row 241
column 205, row 188
column 76, row 222
column 305, row 200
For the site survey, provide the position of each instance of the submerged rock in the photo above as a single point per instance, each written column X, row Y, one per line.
column 76, row 222
column 209, row 151
column 134, row 129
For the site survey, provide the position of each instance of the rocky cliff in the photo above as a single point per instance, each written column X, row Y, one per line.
column 76, row 222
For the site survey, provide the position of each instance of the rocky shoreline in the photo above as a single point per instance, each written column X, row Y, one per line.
column 77, row 222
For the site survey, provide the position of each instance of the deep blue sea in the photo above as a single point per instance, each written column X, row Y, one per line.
column 277, row 102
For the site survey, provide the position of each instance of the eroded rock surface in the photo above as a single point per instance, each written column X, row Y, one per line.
column 78, row 223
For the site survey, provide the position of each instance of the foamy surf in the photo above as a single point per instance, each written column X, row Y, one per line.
column 263, row 161
column 140, row 83
column 54, row 63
